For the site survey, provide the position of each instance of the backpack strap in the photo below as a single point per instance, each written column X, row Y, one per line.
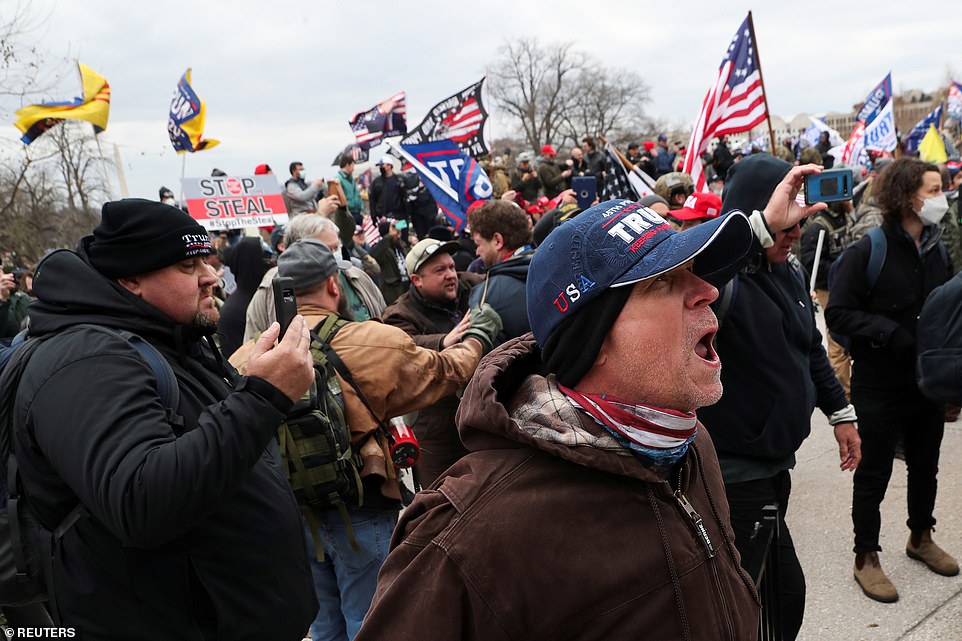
column 725, row 300
column 876, row 256
column 169, row 394
column 341, row 368
column 167, row 387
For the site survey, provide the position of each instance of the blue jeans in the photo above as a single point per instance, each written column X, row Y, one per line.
column 345, row 581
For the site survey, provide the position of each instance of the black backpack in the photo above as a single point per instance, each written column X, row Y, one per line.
column 939, row 341
column 26, row 546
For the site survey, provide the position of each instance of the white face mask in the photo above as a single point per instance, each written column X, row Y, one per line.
column 934, row 208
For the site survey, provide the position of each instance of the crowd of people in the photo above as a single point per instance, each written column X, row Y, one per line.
column 560, row 367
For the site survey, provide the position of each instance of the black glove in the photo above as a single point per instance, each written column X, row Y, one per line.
column 485, row 325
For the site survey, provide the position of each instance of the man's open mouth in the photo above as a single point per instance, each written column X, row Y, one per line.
column 704, row 348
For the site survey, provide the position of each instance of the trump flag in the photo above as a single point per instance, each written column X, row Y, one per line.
column 185, row 125
column 884, row 131
column 455, row 180
column 460, row 118
column 93, row 107
column 386, row 119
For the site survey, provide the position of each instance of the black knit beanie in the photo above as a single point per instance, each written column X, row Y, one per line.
column 573, row 346
column 137, row 236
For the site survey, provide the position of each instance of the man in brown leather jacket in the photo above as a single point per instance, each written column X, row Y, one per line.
column 591, row 505
column 396, row 377
column 434, row 312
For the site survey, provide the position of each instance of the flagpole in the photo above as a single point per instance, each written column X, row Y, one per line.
column 103, row 167
column 629, row 166
column 761, row 81
column 624, row 159
column 121, row 178
column 183, row 168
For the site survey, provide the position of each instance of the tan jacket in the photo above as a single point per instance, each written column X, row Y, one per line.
column 395, row 375
column 260, row 311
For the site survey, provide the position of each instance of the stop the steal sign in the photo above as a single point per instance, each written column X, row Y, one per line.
column 232, row 202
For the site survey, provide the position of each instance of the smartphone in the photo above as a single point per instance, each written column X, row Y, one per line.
column 829, row 186
column 334, row 189
column 285, row 303
column 586, row 190
column 400, row 224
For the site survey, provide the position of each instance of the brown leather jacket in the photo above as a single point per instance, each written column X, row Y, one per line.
column 550, row 530
column 428, row 324
column 396, row 377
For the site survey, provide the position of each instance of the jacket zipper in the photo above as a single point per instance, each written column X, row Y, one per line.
column 702, row 532
column 694, row 517
column 726, row 612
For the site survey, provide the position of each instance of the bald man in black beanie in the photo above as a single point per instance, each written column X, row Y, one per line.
column 776, row 372
column 185, row 530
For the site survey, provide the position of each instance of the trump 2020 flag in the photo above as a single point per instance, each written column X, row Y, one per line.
column 735, row 103
column 460, row 118
column 386, row 119
column 186, row 122
column 93, row 107
column 854, row 153
column 455, row 180
column 914, row 137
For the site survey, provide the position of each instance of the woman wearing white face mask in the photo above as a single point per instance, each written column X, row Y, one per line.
column 880, row 320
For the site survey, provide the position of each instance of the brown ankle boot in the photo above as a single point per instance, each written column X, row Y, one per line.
column 872, row 580
column 921, row 548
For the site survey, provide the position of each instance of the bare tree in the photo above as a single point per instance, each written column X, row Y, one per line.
column 556, row 94
column 530, row 82
column 80, row 163
column 603, row 101
column 21, row 70
column 47, row 197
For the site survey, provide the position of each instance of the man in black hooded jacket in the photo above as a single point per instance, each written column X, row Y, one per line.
column 776, row 372
column 188, row 530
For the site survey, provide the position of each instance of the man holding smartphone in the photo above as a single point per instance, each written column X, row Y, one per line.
column 186, row 529
column 394, row 376
column 13, row 304
column 776, row 372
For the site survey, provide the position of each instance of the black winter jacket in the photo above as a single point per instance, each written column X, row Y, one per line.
column 774, row 368
column 882, row 323
column 192, row 532
column 506, row 293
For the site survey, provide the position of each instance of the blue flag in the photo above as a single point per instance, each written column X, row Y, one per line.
column 455, row 180
column 914, row 137
column 876, row 100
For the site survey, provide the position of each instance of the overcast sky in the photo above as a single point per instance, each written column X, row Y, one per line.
column 280, row 81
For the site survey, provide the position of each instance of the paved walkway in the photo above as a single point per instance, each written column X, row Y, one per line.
column 819, row 516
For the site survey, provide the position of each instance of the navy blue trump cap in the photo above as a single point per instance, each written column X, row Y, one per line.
column 619, row 243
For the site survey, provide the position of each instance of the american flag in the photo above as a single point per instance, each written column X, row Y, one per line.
column 735, row 103
column 621, row 184
column 386, row 119
column 371, row 235
column 460, row 118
